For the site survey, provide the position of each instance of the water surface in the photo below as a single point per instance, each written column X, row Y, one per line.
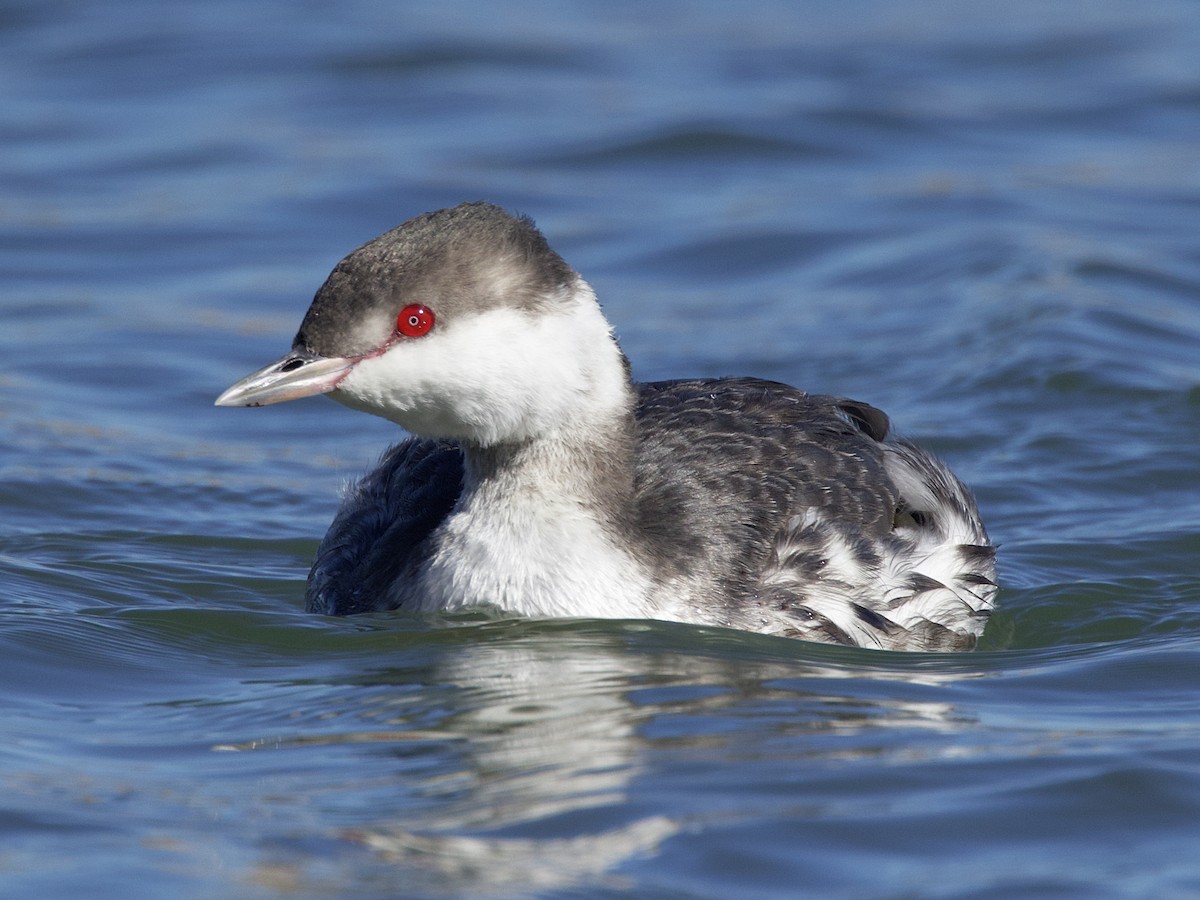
column 983, row 221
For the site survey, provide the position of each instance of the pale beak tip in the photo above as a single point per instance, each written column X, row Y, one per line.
column 228, row 398
column 298, row 374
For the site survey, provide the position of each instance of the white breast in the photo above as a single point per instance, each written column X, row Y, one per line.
column 538, row 559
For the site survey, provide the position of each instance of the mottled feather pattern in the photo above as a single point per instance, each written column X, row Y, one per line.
column 929, row 583
column 768, row 508
column 722, row 466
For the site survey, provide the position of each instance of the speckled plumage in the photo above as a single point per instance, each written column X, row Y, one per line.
column 761, row 501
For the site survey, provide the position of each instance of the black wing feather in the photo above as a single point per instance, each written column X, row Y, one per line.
column 381, row 527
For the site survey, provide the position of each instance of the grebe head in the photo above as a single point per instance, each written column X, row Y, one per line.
column 461, row 323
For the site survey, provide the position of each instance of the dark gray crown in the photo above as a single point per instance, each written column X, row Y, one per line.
column 465, row 259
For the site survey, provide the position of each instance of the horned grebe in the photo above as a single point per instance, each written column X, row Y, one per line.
column 542, row 481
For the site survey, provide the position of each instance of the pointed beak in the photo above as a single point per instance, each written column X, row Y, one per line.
column 299, row 374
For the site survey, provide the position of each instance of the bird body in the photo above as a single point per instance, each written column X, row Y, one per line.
column 541, row 481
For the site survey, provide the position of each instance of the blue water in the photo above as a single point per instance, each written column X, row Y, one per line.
column 980, row 217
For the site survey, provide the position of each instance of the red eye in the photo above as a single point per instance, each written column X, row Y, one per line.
column 414, row 320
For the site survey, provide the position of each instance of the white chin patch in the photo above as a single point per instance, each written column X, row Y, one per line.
column 500, row 376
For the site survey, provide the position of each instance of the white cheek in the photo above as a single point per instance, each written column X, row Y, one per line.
column 502, row 375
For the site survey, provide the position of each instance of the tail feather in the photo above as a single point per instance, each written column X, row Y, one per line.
column 929, row 584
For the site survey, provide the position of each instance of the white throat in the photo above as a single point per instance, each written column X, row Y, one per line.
column 527, row 543
column 540, row 399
